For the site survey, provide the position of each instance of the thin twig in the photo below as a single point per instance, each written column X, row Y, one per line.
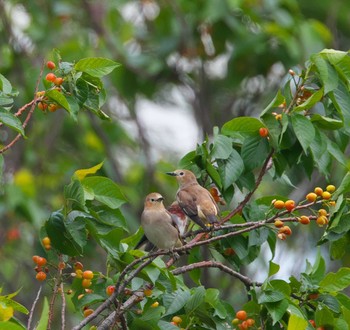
column 63, row 311
column 205, row 264
column 33, row 307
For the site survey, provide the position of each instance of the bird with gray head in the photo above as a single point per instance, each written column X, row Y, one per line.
column 196, row 201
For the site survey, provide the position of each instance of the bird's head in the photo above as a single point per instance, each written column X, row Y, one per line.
column 183, row 176
column 153, row 199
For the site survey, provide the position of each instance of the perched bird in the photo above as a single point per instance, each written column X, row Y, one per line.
column 180, row 219
column 157, row 223
column 196, row 201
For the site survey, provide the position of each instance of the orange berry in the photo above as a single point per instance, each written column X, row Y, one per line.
column 35, row 259
column 52, row 107
column 88, row 274
column 47, row 247
column 42, row 106
column 318, row 191
column 244, row 325
column 40, row 93
column 85, row 283
column 110, row 289
column 50, row 77
column 278, row 204
column 322, row 212
column 330, row 188
column 155, row 304
column 285, row 230
column 41, row 276
column 321, row 220
column 46, row 241
column 332, row 203
column 41, row 261
column 311, row 197
column 304, row 220
column 326, row 195
column 147, row 292
column 289, row 205
column 278, row 223
column 241, row 315
column 250, row 322
column 88, row 312
column 58, row 81
column 177, row 320
column 263, row 132
column 51, row 65
column 313, row 323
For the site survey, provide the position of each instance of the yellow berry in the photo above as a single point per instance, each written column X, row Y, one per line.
column 147, row 292
column 46, row 241
column 88, row 274
column 322, row 212
column 326, row 195
column 155, row 304
column 278, row 204
column 278, row 223
column 330, row 188
column 321, row 220
column 86, row 283
column 311, row 197
column 177, row 319
column 304, row 220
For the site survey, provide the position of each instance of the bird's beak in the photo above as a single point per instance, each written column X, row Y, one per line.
column 171, row 173
column 160, row 199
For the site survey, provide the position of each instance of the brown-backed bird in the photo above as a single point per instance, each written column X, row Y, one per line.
column 158, row 224
column 196, row 201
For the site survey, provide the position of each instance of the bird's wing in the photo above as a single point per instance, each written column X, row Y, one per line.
column 188, row 204
column 148, row 246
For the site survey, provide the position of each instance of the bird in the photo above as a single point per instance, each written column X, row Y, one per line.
column 158, row 224
column 180, row 219
column 196, row 201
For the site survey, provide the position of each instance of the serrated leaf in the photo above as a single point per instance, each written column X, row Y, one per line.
column 104, row 190
column 96, row 66
column 277, row 309
column 244, row 125
column 338, row 281
column 304, row 130
column 196, row 299
column 59, row 98
column 327, row 73
column 74, row 192
column 268, row 296
column 82, row 173
column 254, row 152
column 222, row 147
column 8, row 119
column 230, row 169
column 178, row 299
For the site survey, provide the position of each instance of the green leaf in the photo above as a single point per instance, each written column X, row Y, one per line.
column 336, row 152
column 96, row 66
column 7, row 325
column 278, row 99
column 338, row 281
column 74, row 192
column 76, row 226
column 59, row 98
column 222, row 147
column 273, row 268
column 60, row 238
column 311, row 101
column 176, row 301
column 334, row 56
column 344, row 186
column 326, row 122
column 244, row 125
column 324, row 316
column 44, row 318
column 230, row 169
column 11, row 121
column 304, row 130
column 104, row 190
column 327, row 73
column 277, row 309
column 254, row 152
column 295, row 322
column 196, row 299
column 331, row 302
column 341, row 100
column 268, row 296
column 5, row 85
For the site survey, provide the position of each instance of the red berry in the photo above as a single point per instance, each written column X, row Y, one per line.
column 264, row 132
column 41, row 276
column 110, row 289
column 51, row 65
column 50, row 77
column 241, row 315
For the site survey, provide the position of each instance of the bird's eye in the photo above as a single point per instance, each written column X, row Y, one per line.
column 152, row 199
column 182, row 173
